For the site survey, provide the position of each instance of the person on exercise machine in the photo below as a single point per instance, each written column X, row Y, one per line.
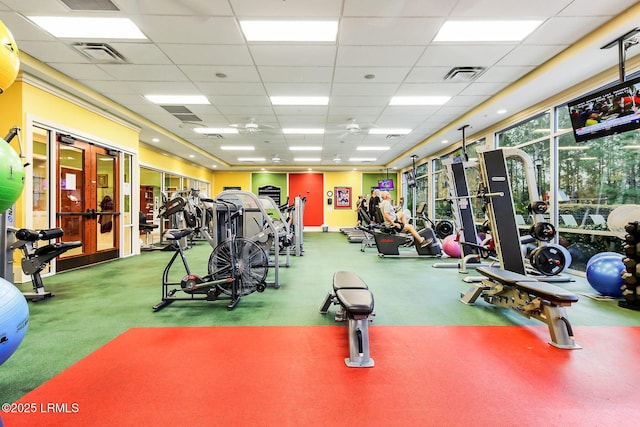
column 398, row 220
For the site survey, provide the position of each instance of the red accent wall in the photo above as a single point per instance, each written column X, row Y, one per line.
column 309, row 185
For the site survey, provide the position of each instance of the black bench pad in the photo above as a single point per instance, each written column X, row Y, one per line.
column 356, row 301
column 347, row 280
column 505, row 277
column 178, row 234
column 547, row 291
column 58, row 247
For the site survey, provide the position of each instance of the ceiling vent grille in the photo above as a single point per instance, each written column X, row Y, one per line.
column 182, row 113
column 464, row 74
column 100, row 53
column 89, row 4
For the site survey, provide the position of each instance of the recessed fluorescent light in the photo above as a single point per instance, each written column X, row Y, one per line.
column 177, row 99
column 306, row 159
column 388, row 131
column 485, row 31
column 301, row 131
column 419, row 100
column 299, row 100
column 305, row 148
column 362, row 159
column 445, row 141
column 88, row 28
column 364, row 148
column 237, row 148
column 251, row 159
column 192, row 156
column 503, row 111
column 155, row 140
column 290, row 31
column 215, row 130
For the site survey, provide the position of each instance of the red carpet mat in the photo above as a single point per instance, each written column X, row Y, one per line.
column 295, row 376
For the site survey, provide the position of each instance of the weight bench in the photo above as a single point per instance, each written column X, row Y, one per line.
column 529, row 298
column 356, row 306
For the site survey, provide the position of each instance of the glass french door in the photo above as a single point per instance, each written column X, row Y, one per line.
column 87, row 202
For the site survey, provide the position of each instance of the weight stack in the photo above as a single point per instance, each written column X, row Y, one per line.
column 631, row 274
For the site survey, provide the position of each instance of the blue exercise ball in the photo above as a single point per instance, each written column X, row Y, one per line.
column 605, row 275
column 600, row 255
column 14, row 319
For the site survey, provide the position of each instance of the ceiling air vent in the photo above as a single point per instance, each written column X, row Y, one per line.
column 464, row 74
column 90, row 4
column 182, row 113
column 100, row 53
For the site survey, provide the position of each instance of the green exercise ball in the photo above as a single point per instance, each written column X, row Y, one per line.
column 11, row 176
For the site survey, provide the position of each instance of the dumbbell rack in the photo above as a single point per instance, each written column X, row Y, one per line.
column 631, row 275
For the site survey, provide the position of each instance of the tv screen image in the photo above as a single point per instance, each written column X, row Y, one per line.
column 606, row 112
column 410, row 179
column 385, row 184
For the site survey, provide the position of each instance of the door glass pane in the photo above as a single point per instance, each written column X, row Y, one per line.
column 40, row 178
column 71, row 195
column 106, row 199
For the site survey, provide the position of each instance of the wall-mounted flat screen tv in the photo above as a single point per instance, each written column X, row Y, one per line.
column 608, row 111
column 385, row 184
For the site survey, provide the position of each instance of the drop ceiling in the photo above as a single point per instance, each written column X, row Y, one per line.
column 384, row 48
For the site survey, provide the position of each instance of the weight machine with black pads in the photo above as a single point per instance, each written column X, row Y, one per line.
column 509, row 286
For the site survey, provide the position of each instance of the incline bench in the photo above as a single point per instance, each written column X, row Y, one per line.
column 356, row 303
column 529, row 298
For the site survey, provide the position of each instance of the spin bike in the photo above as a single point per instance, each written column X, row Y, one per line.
column 237, row 266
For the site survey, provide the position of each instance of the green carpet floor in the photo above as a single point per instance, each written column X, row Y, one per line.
column 94, row 305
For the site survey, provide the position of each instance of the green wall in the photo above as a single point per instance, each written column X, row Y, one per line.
column 370, row 180
column 260, row 179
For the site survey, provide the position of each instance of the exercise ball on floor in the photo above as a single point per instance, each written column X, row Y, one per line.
column 9, row 58
column 14, row 319
column 450, row 246
column 600, row 255
column 11, row 175
column 605, row 275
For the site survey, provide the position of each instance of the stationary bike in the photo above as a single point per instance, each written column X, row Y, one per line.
column 388, row 241
column 237, row 266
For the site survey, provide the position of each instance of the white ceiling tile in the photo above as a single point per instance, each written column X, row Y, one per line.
column 431, row 89
column 83, row 71
column 507, row 9
column 207, row 54
column 465, row 55
column 189, row 29
column 243, row 89
column 596, row 8
column 141, row 53
column 504, row 74
column 288, row 9
column 273, row 74
column 234, row 100
column 427, row 74
column 530, row 55
column 378, row 56
column 23, row 29
column 159, row 87
column 388, row 31
column 163, row 73
column 293, row 55
column 364, row 89
column 173, row 7
column 53, row 52
column 298, row 89
column 418, row 8
column 207, row 73
column 358, row 101
column 562, row 31
column 381, row 74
